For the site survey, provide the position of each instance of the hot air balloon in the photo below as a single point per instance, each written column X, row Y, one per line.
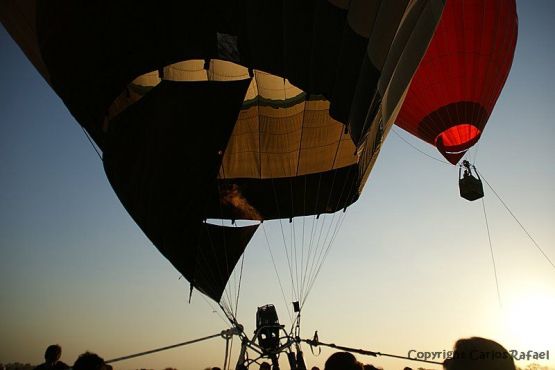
column 223, row 110
column 457, row 84
column 255, row 111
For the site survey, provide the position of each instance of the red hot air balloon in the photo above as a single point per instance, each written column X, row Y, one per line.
column 461, row 75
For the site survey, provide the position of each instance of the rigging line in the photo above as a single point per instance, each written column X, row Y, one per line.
column 239, row 285
column 304, row 193
column 417, row 149
column 229, row 317
column 304, row 277
column 319, row 247
column 227, row 310
column 317, row 251
column 229, row 294
column 328, row 249
column 325, row 249
column 284, row 240
column 293, row 244
column 325, row 242
column 311, row 243
column 319, row 260
column 276, row 271
column 214, row 310
column 293, row 290
column 231, row 286
column 492, row 255
column 303, row 260
column 312, row 272
column 341, row 133
column 295, row 256
column 234, row 289
column 92, row 143
column 321, row 244
column 164, row 348
column 516, row 219
column 309, row 253
column 334, row 234
column 316, row 343
column 303, row 236
column 315, row 219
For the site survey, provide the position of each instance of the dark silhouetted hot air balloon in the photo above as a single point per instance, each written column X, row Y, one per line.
column 253, row 110
column 457, row 84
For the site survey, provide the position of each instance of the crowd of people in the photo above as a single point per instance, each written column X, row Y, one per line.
column 468, row 354
column 86, row 361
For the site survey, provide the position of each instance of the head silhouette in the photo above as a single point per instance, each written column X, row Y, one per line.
column 342, row 361
column 52, row 353
column 90, row 361
column 479, row 353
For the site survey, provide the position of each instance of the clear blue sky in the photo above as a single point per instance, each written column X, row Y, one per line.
column 410, row 269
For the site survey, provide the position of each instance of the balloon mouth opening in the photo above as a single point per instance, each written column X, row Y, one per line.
column 223, row 222
column 454, row 142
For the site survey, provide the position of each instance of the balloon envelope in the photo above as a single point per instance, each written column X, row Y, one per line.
column 461, row 75
column 227, row 110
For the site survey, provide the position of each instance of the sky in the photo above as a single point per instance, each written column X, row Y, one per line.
column 410, row 269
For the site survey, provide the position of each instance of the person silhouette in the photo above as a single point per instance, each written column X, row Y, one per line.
column 52, row 359
column 342, row 361
column 479, row 353
column 90, row 361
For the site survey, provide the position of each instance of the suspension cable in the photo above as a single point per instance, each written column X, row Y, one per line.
column 315, row 343
column 220, row 334
column 277, row 274
column 492, row 255
column 239, row 286
column 214, row 310
column 516, row 219
column 320, row 264
column 419, row 150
